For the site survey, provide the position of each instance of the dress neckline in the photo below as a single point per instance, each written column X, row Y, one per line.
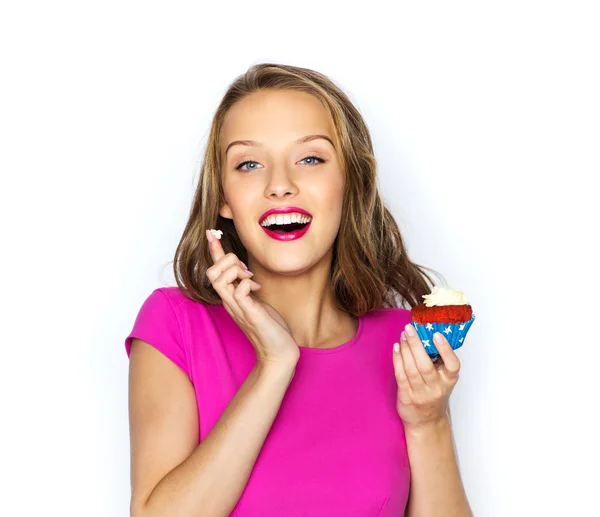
column 332, row 350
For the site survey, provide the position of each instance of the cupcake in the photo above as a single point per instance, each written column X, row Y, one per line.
column 447, row 311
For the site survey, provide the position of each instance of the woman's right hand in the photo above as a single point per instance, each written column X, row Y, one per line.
column 260, row 322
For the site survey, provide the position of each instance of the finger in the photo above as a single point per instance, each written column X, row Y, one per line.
column 243, row 304
column 214, row 246
column 451, row 366
column 242, row 296
column 401, row 379
column 226, row 279
column 225, row 262
column 229, row 272
column 410, row 367
column 422, row 360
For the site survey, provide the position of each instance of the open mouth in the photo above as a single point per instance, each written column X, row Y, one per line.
column 287, row 228
column 286, row 224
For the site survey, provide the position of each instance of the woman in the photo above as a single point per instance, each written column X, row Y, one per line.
column 266, row 384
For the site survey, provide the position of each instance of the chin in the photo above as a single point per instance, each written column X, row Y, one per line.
column 289, row 267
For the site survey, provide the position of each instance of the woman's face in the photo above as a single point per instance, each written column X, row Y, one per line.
column 279, row 172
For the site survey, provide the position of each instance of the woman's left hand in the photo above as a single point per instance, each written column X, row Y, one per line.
column 424, row 386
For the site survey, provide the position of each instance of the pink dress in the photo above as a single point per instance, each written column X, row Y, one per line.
column 336, row 447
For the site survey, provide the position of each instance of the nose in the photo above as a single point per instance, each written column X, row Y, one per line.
column 280, row 183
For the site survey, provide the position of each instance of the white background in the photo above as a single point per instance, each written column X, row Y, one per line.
column 485, row 120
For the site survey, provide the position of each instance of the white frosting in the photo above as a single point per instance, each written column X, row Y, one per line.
column 216, row 233
column 445, row 296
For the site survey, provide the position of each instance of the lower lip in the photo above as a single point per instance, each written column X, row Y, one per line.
column 289, row 236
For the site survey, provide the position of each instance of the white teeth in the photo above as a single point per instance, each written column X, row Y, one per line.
column 286, row 219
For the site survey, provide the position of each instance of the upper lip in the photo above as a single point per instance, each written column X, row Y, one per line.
column 283, row 210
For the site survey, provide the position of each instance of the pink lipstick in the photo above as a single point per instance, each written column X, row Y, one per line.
column 285, row 235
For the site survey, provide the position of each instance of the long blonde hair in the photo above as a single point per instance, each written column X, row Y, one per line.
column 370, row 268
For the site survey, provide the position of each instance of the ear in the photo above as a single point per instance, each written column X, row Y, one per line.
column 225, row 211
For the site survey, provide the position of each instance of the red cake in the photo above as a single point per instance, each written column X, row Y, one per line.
column 441, row 313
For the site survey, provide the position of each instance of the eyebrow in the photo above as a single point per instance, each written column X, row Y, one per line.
column 302, row 140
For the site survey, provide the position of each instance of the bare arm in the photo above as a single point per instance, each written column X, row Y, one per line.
column 171, row 474
column 436, row 485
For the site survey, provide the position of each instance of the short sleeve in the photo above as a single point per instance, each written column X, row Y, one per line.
column 157, row 324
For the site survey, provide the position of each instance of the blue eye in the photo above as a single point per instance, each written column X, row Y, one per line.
column 315, row 157
column 239, row 167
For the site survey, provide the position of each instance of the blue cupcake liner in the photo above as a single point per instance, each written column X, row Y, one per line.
column 454, row 332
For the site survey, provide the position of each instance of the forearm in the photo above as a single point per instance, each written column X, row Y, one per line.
column 211, row 480
column 436, row 486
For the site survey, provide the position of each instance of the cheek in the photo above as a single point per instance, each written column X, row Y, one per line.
column 327, row 188
column 333, row 198
column 239, row 198
column 330, row 198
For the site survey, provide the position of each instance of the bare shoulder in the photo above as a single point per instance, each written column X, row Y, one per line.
column 163, row 418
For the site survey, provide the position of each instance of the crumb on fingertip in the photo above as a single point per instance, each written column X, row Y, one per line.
column 216, row 233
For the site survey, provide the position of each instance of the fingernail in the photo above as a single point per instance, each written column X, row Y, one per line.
column 410, row 330
column 437, row 337
column 403, row 336
column 243, row 265
column 396, row 347
column 209, row 236
column 248, row 272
